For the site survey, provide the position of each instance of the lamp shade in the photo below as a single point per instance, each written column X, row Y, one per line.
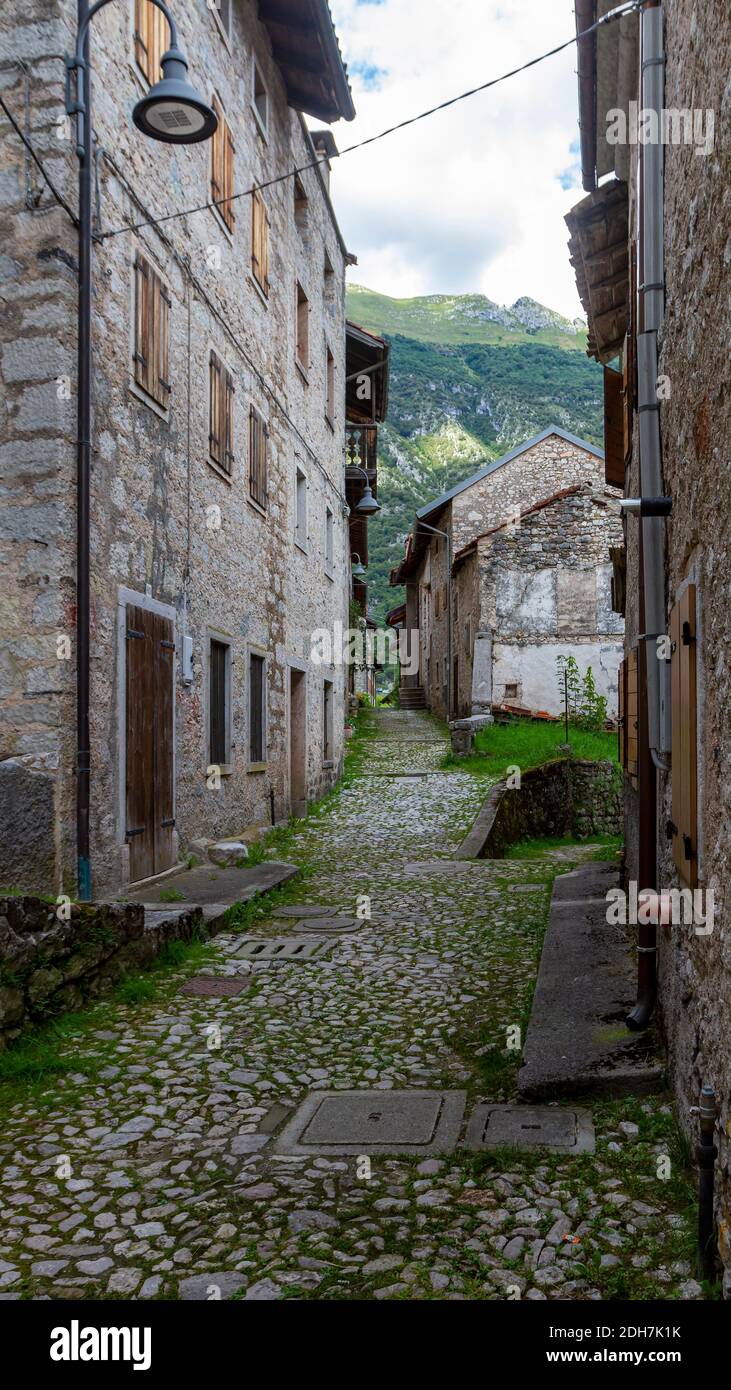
column 172, row 110
column 368, row 506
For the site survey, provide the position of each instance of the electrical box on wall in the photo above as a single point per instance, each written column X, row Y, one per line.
column 187, row 663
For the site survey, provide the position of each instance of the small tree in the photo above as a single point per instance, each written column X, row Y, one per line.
column 593, row 709
column 569, row 685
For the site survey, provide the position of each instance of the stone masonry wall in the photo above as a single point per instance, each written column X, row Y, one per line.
column 49, row 965
column 156, row 497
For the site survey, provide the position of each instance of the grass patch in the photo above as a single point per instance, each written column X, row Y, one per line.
column 606, row 846
column 527, row 744
column 172, row 895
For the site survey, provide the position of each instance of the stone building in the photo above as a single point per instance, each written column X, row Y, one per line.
column 651, row 249
column 218, row 510
column 508, row 570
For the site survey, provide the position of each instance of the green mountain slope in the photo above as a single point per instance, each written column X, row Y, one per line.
column 469, row 380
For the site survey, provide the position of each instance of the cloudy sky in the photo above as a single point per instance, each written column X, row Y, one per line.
column 473, row 198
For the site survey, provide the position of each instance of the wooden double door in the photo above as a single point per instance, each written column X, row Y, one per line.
column 150, row 676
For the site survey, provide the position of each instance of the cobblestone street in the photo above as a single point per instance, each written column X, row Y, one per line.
column 150, row 1167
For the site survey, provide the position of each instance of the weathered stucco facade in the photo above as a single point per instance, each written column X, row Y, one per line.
column 693, row 405
column 530, row 537
column 172, row 532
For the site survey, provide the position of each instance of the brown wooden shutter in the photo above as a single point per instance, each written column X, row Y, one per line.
column 621, row 723
column 260, row 241
column 228, row 208
column 214, row 433
column 683, row 633
column 228, row 410
column 152, row 38
column 614, row 448
column 164, row 653
column 258, row 436
column 151, row 351
column 632, row 713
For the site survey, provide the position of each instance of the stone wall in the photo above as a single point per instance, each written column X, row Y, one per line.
column 49, row 965
column 166, row 525
column 570, row 797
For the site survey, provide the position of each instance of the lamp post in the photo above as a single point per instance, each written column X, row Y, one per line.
column 174, row 112
column 435, row 530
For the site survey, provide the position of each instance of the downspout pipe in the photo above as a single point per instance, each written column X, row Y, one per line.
column 83, row 752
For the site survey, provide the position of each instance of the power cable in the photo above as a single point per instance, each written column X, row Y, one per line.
column 617, row 13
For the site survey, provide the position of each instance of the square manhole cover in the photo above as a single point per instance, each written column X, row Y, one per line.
column 363, row 1122
column 214, row 986
column 530, row 1127
column 282, row 948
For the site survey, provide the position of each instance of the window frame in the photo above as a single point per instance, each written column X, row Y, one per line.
column 330, row 397
column 259, row 209
column 302, row 302
column 255, row 653
column 328, row 704
column 301, row 488
column 329, row 541
column 225, row 30
column 257, row 73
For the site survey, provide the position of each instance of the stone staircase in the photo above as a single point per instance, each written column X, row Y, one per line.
column 412, row 697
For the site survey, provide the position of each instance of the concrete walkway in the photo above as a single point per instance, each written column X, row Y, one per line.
column 156, row 1165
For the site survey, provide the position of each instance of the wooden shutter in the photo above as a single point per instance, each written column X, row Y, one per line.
column 152, row 38
column 215, row 432
column 621, row 726
column 614, row 444
column 217, row 740
column 227, row 210
column 164, row 821
column 222, row 166
column 632, row 713
column 217, row 153
column 256, row 708
column 684, row 828
column 260, row 241
column 258, row 434
column 228, row 418
column 151, row 354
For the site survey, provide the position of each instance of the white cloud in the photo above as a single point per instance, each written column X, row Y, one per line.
column 470, row 199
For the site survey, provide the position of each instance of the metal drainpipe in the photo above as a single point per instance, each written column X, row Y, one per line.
column 706, row 1153
column 83, row 754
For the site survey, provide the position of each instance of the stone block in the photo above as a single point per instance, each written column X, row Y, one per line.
column 27, row 827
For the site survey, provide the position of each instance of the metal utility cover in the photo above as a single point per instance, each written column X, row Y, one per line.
column 284, row 948
column 304, row 910
column 333, row 925
column 214, row 986
column 530, row 1127
column 374, row 1122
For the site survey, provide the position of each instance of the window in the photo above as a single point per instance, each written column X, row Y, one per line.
column 152, row 305
column 303, row 329
column 300, row 524
column 684, row 828
column 327, row 722
column 221, row 414
column 257, row 709
column 511, row 691
column 152, row 39
column 613, row 428
column 329, row 385
column 260, row 241
column 219, row 670
column 258, row 443
column 300, row 204
column 222, row 167
column 329, row 540
column 222, row 14
column 329, row 281
column 260, row 100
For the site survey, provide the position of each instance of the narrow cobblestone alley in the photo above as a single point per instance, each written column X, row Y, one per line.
column 152, row 1167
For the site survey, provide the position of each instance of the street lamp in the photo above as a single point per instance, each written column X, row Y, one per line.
column 367, row 506
column 174, row 112
column 358, row 569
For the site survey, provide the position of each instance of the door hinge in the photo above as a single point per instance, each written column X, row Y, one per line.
column 688, row 847
column 164, row 643
column 670, row 829
column 166, row 823
column 132, row 632
column 138, row 830
column 688, row 636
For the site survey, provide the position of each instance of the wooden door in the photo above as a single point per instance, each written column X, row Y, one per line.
column 149, row 748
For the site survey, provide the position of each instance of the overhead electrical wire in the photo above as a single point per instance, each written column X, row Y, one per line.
column 617, row 13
